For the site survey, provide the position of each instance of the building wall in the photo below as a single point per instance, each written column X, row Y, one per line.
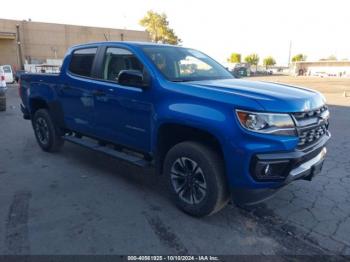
column 322, row 68
column 8, row 46
column 41, row 41
column 339, row 71
column 8, row 52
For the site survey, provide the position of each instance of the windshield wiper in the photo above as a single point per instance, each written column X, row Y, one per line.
column 181, row 80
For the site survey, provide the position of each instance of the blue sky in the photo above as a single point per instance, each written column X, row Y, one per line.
column 316, row 28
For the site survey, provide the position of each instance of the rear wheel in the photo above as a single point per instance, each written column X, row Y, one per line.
column 46, row 132
column 196, row 178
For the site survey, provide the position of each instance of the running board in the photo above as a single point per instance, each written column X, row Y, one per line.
column 93, row 145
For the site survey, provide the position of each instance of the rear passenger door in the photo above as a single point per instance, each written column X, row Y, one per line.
column 123, row 113
column 76, row 91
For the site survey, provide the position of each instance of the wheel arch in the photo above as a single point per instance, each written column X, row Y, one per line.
column 37, row 103
column 53, row 107
column 170, row 134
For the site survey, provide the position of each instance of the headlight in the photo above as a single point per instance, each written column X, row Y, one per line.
column 269, row 123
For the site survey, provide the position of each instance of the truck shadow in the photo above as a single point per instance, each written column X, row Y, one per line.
column 139, row 177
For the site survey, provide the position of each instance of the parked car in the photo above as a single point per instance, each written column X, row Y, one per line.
column 3, row 89
column 3, row 86
column 8, row 73
column 214, row 137
column 241, row 71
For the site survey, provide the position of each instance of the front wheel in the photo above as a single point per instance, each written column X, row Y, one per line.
column 46, row 132
column 196, row 178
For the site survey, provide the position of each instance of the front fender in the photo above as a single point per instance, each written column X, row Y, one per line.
column 216, row 121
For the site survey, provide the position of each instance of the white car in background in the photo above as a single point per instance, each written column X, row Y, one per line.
column 8, row 73
column 2, row 81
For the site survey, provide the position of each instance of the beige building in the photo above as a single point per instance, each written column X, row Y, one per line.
column 321, row 68
column 34, row 42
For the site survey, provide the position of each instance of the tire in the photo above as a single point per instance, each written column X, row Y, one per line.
column 46, row 132
column 2, row 102
column 196, row 178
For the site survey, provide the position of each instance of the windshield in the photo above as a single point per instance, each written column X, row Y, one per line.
column 182, row 64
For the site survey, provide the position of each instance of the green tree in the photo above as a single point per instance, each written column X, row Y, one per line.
column 252, row 59
column 157, row 26
column 269, row 61
column 299, row 57
column 234, row 58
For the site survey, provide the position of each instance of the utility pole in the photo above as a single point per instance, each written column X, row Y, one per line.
column 19, row 47
column 290, row 52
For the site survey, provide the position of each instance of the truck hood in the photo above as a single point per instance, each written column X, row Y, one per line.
column 272, row 97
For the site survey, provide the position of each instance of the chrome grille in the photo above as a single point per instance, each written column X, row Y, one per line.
column 311, row 126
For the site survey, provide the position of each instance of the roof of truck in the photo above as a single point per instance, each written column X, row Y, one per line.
column 128, row 43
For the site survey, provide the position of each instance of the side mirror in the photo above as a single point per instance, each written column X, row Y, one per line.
column 132, row 78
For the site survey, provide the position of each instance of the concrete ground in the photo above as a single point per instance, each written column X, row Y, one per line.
column 81, row 202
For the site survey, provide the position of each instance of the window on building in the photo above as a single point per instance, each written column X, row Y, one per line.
column 82, row 61
column 117, row 59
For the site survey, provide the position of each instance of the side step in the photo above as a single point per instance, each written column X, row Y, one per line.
column 93, row 145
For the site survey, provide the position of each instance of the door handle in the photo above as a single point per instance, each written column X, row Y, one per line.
column 98, row 93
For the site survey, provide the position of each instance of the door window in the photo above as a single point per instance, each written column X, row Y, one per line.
column 117, row 59
column 82, row 61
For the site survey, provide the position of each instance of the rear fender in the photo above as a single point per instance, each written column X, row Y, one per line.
column 53, row 106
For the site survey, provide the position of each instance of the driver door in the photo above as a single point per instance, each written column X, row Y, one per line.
column 123, row 113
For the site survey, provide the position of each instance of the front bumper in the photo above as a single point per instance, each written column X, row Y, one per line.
column 308, row 169
column 301, row 165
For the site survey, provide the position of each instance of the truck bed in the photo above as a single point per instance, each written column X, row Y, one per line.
column 38, row 84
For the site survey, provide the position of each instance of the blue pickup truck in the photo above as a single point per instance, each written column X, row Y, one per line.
column 214, row 137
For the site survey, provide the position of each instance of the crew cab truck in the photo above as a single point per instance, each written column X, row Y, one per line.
column 213, row 136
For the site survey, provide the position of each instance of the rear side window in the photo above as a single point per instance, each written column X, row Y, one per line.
column 82, row 60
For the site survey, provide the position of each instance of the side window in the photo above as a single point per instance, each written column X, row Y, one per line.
column 117, row 59
column 82, row 60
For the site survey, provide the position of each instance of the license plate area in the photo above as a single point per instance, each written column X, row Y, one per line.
column 315, row 170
